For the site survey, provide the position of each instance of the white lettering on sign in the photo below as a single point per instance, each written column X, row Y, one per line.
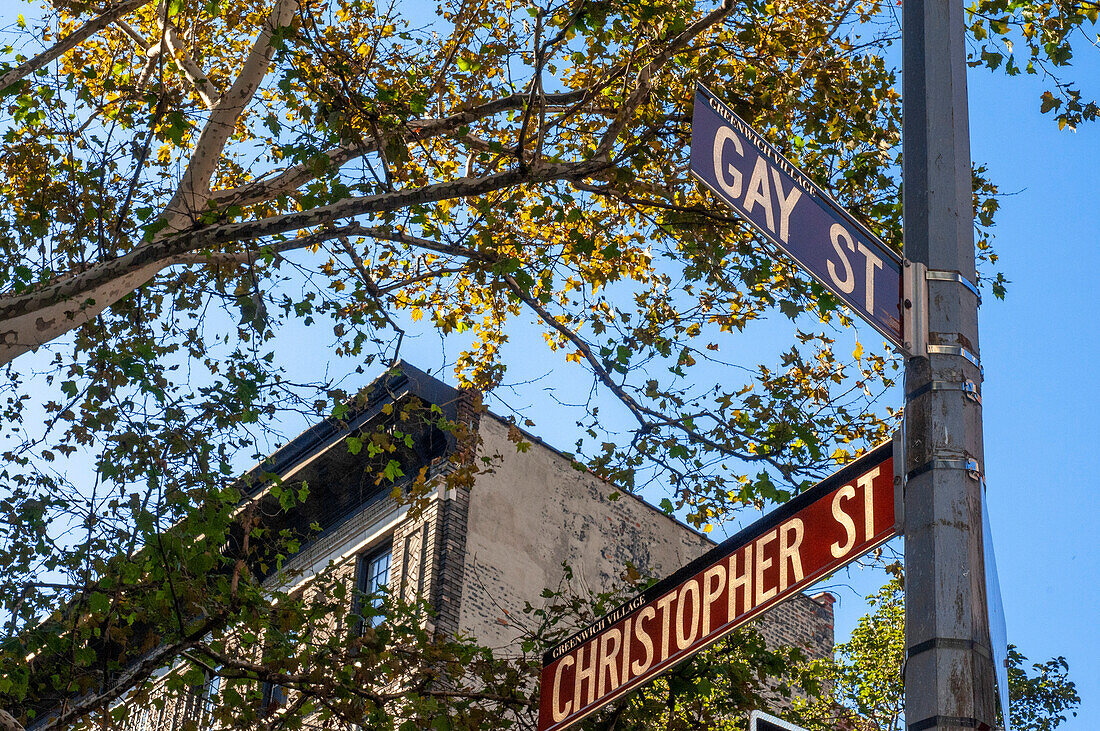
column 768, row 195
column 837, row 232
column 841, row 516
column 559, row 712
column 712, row 591
column 785, row 207
column 847, row 283
column 790, row 538
column 759, row 190
column 637, row 667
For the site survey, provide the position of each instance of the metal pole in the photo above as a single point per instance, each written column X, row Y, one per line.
column 948, row 671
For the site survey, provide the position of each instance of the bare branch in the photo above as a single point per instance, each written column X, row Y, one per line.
column 31, row 319
column 400, row 237
column 430, row 274
column 294, row 177
column 645, row 76
column 182, row 57
column 85, row 31
column 252, row 255
column 598, row 367
column 648, row 418
column 136, row 37
column 194, row 188
column 374, row 291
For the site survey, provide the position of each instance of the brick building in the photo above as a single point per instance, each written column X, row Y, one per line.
column 477, row 553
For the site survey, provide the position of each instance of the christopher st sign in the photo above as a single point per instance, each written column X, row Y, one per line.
column 814, row 534
column 780, row 201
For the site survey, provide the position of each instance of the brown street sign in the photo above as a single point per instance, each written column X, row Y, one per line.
column 819, row 531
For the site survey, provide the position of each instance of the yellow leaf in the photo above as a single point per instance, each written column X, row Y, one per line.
column 858, row 352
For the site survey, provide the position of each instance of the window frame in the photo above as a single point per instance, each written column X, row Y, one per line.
column 366, row 582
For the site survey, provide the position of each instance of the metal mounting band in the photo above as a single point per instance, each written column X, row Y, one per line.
column 959, row 721
column 949, row 643
column 941, row 275
column 969, row 464
column 967, row 387
column 956, row 350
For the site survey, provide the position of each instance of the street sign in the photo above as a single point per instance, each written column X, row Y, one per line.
column 760, row 721
column 782, row 203
column 815, row 533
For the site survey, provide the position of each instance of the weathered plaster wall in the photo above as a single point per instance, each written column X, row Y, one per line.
column 535, row 511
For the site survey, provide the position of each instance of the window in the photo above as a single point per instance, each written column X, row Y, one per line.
column 210, row 691
column 274, row 696
column 373, row 575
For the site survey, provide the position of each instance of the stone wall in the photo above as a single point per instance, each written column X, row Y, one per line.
column 802, row 621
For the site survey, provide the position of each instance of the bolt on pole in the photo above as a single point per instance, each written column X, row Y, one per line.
column 949, row 669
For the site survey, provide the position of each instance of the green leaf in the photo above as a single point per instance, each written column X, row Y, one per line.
column 393, row 470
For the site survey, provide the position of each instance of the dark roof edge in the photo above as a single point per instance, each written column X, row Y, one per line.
column 389, row 387
column 398, row 381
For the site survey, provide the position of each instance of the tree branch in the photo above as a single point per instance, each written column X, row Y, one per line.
column 31, row 319
column 645, row 76
column 182, row 57
column 642, row 413
column 250, row 256
column 85, row 31
column 601, row 372
column 193, row 190
column 125, row 681
column 8, row 722
column 294, row 177
column 136, row 37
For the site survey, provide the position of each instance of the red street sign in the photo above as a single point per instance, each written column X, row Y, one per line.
column 830, row 525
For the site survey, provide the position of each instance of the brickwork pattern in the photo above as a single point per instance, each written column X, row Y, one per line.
column 413, row 565
column 536, row 511
column 449, row 549
column 532, row 513
column 803, row 622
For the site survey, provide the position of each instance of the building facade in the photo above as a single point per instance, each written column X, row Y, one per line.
column 475, row 551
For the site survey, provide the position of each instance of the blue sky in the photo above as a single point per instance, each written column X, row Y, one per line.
column 1041, row 398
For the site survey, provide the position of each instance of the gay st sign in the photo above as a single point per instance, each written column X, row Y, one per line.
column 779, row 200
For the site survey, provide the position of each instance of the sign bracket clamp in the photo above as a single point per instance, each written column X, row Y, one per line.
column 915, row 336
column 968, row 388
